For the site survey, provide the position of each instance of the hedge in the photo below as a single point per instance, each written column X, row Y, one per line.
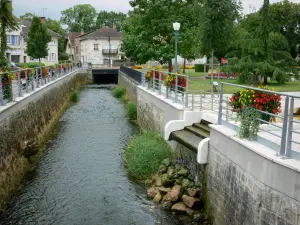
column 30, row 64
column 200, row 68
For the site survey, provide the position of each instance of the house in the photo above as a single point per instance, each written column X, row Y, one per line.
column 16, row 42
column 100, row 47
column 72, row 46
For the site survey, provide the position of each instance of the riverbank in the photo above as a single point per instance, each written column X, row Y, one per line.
column 25, row 132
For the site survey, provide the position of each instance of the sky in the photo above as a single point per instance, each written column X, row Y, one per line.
column 52, row 8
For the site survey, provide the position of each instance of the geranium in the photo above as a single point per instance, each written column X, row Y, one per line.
column 44, row 71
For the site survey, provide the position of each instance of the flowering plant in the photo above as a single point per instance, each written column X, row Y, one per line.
column 267, row 102
column 170, row 81
column 44, row 71
column 149, row 75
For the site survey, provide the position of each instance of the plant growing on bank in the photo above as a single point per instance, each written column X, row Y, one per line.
column 132, row 111
column 119, row 92
column 144, row 155
column 74, row 96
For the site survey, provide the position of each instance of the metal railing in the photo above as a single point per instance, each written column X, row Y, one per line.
column 14, row 84
column 286, row 129
column 177, row 91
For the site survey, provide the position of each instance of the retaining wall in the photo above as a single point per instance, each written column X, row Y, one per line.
column 24, row 127
column 130, row 84
column 250, row 185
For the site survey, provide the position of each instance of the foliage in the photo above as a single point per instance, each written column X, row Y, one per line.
column 110, row 19
column 38, row 39
column 119, row 92
column 148, row 37
column 217, row 28
column 30, row 64
column 7, row 23
column 199, row 68
column 63, row 56
column 56, row 26
column 131, row 109
column 144, row 155
column 27, row 16
column 261, row 53
column 249, row 122
column 79, row 18
column 74, row 96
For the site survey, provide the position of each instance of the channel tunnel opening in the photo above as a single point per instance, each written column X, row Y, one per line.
column 105, row 76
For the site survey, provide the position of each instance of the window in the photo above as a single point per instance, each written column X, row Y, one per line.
column 76, row 50
column 96, row 47
column 8, row 37
column 15, row 40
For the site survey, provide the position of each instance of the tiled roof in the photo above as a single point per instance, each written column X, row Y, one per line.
column 103, row 33
column 27, row 23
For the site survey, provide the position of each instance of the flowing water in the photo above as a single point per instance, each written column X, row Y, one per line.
column 81, row 178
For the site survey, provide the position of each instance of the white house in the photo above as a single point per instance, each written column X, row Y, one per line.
column 101, row 46
column 72, row 45
column 16, row 41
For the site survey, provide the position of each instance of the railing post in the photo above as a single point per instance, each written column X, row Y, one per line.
column 201, row 100
column 26, row 81
column 153, row 81
column 19, row 84
column 143, row 78
column 220, row 105
column 284, row 127
column 290, row 129
column 227, row 109
column 187, row 92
column 212, row 101
column 1, row 92
column 176, row 87
column 193, row 96
column 37, row 78
column 159, row 83
column 32, row 81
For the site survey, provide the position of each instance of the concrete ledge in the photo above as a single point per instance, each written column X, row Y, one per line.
column 259, row 161
column 21, row 102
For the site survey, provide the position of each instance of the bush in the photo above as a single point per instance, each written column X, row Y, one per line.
column 74, row 96
column 132, row 111
column 200, row 68
column 30, row 64
column 119, row 92
column 144, row 155
column 63, row 56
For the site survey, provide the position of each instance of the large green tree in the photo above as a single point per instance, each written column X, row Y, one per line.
column 110, row 19
column 56, row 26
column 38, row 39
column 148, row 31
column 7, row 22
column 27, row 16
column 79, row 18
column 262, row 52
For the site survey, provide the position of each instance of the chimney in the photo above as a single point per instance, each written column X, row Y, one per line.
column 43, row 19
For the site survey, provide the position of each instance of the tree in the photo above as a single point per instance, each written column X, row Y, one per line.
column 79, row 18
column 27, row 16
column 38, row 39
column 55, row 26
column 261, row 53
column 7, row 23
column 110, row 19
column 148, row 32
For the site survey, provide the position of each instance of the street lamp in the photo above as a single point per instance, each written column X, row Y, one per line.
column 176, row 27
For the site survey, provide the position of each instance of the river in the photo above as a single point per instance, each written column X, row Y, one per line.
column 81, row 179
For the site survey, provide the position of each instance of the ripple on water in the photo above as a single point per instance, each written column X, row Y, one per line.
column 80, row 179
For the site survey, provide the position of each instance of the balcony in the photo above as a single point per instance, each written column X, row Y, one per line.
column 110, row 51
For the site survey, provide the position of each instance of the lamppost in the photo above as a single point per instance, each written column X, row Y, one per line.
column 176, row 27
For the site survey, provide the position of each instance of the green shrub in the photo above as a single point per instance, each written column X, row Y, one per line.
column 30, row 64
column 63, row 56
column 144, row 155
column 119, row 92
column 74, row 96
column 200, row 68
column 132, row 111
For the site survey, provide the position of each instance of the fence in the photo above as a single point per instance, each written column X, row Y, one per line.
column 286, row 129
column 14, row 84
column 134, row 74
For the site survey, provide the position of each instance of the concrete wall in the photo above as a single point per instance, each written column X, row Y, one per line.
column 154, row 111
column 130, row 84
column 24, row 127
column 248, row 185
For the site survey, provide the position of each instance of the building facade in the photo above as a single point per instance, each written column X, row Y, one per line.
column 17, row 45
column 72, row 44
column 100, row 47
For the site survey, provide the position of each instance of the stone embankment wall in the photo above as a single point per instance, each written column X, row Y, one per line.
column 130, row 85
column 25, row 126
column 246, row 187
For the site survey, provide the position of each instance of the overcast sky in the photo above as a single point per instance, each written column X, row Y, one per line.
column 53, row 8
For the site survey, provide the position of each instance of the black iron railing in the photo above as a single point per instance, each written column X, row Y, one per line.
column 134, row 74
